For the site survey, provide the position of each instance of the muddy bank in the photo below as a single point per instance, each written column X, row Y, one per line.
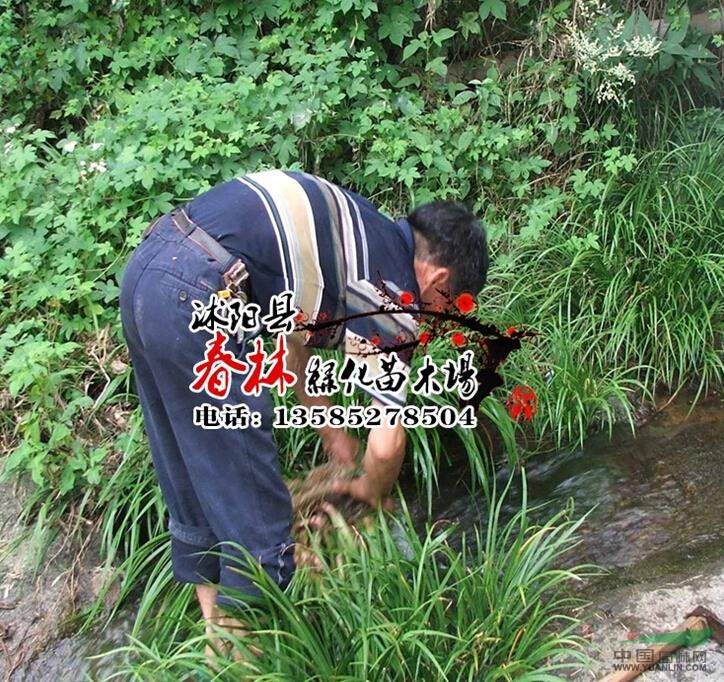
column 649, row 608
column 44, row 580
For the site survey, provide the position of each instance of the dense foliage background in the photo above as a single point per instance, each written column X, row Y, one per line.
column 586, row 134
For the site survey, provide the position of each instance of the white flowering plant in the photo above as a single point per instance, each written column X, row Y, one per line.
column 617, row 52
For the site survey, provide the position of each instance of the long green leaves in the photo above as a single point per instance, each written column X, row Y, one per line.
column 625, row 292
column 388, row 605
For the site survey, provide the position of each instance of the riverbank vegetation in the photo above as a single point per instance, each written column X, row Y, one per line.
column 586, row 134
column 388, row 604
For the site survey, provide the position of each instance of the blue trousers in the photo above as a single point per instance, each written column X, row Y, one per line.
column 222, row 487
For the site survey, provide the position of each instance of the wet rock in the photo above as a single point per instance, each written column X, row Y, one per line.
column 650, row 609
column 34, row 604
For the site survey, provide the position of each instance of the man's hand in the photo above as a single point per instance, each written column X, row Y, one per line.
column 365, row 489
column 385, row 445
column 340, row 446
column 382, row 463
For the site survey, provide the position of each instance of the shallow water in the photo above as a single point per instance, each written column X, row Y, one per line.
column 658, row 507
column 656, row 500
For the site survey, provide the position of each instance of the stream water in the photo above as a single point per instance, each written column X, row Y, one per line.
column 657, row 509
column 655, row 522
column 655, row 500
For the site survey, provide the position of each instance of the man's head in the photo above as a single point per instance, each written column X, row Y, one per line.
column 451, row 252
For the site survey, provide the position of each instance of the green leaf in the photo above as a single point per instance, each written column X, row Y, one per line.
column 147, row 176
column 67, row 480
column 396, row 25
column 498, row 10
column 80, row 58
column 552, row 134
column 16, row 458
column 226, row 45
column 673, row 48
column 698, row 51
column 439, row 37
column 665, row 61
column 98, row 454
column 410, row 49
column 93, row 475
column 643, row 24
column 406, row 105
column 495, row 7
column 469, row 24
column 703, row 76
column 59, row 433
column 465, row 140
column 443, row 164
column 609, row 131
column 80, row 6
column 37, row 469
column 570, row 97
column 590, row 136
column 284, row 148
column 629, row 27
column 561, row 147
column 548, row 97
column 678, row 27
column 464, row 96
column 405, row 82
column 437, row 66
column 56, row 79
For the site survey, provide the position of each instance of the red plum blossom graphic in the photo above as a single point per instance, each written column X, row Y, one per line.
column 455, row 321
column 522, row 403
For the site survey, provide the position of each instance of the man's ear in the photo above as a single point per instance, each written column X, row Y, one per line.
column 440, row 278
column 431, row 277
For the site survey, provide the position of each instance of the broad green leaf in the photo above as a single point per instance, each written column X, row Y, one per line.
column 496, row 8
column 570, row 96
column 411, row 48
column 437, row 66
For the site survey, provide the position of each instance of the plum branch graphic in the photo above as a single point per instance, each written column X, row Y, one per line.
column 491, row 346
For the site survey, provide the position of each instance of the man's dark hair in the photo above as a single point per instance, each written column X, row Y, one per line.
column 455, row 239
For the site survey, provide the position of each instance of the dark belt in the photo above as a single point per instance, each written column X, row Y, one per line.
column 236, row 276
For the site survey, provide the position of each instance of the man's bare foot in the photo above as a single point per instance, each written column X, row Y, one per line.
column 228, row 639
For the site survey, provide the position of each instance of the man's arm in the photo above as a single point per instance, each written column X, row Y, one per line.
column 381, row 464
column 337, row 443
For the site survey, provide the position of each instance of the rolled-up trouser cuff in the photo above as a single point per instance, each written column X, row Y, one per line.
column 193, row 563
column 194, row 554
column 192, row 535
column 198, row 557
column 237, row 590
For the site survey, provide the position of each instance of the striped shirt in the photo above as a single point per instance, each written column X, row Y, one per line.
column 340, row 256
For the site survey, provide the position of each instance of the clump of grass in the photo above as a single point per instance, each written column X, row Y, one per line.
column 391, row 605
column 626, row 292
